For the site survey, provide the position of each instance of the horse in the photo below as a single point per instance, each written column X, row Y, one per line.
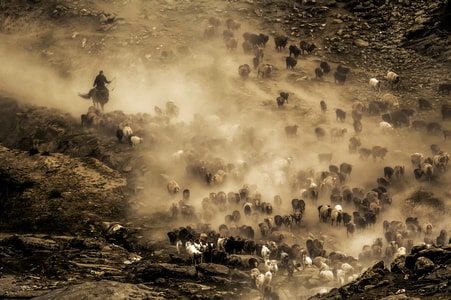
column 99, row 97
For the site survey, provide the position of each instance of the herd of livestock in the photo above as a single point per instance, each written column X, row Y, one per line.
column 265, row 234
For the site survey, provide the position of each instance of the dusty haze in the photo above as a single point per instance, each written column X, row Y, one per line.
column 217, row 108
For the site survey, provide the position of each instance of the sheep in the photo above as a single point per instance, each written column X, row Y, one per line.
column 294, row 50
column 260, row 282
column 445, row 110
column 271, row 266
column 418, row 124
column 343, row 70
column 375, row 84
column 444, row 87
column 379, row 151
column 265, row 252
column 391, row 100
column 209, row 32
column 136, row 141
column 172, row 110
column 399, row 119
column 232, row 25
column 306, row 47
column 173, row 187
column 442, row 238
column 427, row 229
column 340, row 115
column 336, row 216
column 256, row 62
column 231, row 44
column 193, row 253
column 408, row 111
column 337, row 133
column 427, row 170
column 318, row 73
column 398, row 171
column 416, row 159
column 280, row 42
column 364, row 153
column 345, row 168
column 350, row 229
column 392, row 79
column 258, row 52
column 127, row 132
column 320, row 133
column 290, row 62
column 358, row 127
column 291, row 131
column 119, row 135
column 264, row 70
column 214, row 21
column 440, row 161
column 326, row 274
column 323, row 106
column 433, row 127
column 324, row 67
column 339, row 78
column 385, row 127
column 356, row 114
column 424, row 104
column 244, row 70
column 388, row 172
column 226, row 34
column 247, row 47
column 282, row 99
column 435, row 149
column 446, row 134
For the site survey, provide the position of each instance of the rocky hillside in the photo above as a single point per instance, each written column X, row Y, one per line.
column 84, row 214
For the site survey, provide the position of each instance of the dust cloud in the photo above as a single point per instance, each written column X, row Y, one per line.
column 227, row 119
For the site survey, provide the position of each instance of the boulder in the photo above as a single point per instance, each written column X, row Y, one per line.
column 423, row 265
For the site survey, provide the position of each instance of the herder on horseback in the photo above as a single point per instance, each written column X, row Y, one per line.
column 99, row 93
column 99, row 83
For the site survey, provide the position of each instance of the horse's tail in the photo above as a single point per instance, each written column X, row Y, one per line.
column 84, row 96
column 88, row 95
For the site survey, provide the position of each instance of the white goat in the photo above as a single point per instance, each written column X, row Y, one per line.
column 173, row 187
column 326, row 275
column 127, row 131
column 136, row 141
column 265, row 252
column 375, row 84
column 193, row 253
column 385, row 127
column 178, row 246
column 271, row 265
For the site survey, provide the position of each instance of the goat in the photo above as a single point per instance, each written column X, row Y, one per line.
column 323, row 106
column 281, row 42
column 136, row 141
column 392, row 79
column 375, row 84
column 193, row 253
column 306, row 47
column 291, row 131
column 318, row 73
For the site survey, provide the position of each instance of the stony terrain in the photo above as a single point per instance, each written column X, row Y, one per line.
column 85, row 216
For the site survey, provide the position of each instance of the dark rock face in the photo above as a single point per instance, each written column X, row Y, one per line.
column 445, row 22
column 423, row 273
